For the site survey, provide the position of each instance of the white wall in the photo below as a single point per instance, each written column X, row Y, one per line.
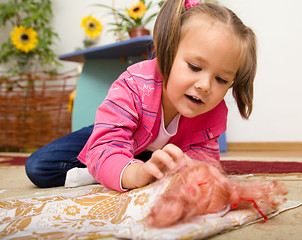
column 277, row 114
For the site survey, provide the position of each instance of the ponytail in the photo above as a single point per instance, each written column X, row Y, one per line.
column 166, row 35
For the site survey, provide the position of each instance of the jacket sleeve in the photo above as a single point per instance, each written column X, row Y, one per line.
column 110, row 147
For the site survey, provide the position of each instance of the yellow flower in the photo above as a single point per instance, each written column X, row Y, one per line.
column 137, row 10
column 91, row 26
column 24, row 39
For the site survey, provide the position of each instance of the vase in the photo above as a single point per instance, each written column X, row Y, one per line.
column 138, row 32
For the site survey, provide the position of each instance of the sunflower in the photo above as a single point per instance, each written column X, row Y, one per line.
column 24, row 39
column 91, row 26
column 137, row 10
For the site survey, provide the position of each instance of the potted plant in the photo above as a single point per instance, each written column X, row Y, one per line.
column 31, row 95
column 132, row 20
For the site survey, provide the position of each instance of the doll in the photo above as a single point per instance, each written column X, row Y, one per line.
column 201, row 188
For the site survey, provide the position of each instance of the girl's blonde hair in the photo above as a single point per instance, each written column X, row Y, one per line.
column 167, row 35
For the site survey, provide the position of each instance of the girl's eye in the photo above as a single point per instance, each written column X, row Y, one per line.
column 194, row 68
column 221, row 80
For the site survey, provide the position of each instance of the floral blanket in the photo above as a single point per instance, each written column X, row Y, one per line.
column 99, row 213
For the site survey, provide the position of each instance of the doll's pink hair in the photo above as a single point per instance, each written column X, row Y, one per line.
column 201, row 189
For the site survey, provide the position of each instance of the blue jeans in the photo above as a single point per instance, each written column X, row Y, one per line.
column 47, row 167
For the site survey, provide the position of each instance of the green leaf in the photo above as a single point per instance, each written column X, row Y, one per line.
column 149, row 19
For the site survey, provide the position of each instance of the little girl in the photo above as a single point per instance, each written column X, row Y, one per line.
column 160, row 110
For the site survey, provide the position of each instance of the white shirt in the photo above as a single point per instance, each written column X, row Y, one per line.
column 164, row 134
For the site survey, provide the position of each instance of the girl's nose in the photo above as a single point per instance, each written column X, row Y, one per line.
column 203, row 84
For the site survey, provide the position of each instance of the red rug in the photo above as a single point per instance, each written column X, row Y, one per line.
column 246, row 167
column 7, row 160
column 230, row 167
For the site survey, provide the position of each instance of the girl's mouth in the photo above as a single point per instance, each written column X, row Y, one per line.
column 194, row 99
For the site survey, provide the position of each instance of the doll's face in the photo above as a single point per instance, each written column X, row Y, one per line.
column 203, row 70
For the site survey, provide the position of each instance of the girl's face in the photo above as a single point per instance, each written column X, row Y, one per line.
column 203, row 70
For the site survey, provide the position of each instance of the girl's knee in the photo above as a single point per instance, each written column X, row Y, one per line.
column 32, row 169
column 42, row 174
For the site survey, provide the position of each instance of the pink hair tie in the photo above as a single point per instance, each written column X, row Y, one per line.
column 191, row 3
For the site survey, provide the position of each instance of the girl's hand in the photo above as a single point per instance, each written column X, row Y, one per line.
column 140, row 174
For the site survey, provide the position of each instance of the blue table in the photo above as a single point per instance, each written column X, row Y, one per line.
column 102, row 65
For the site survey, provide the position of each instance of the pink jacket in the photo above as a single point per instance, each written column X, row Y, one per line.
column 128, row 121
